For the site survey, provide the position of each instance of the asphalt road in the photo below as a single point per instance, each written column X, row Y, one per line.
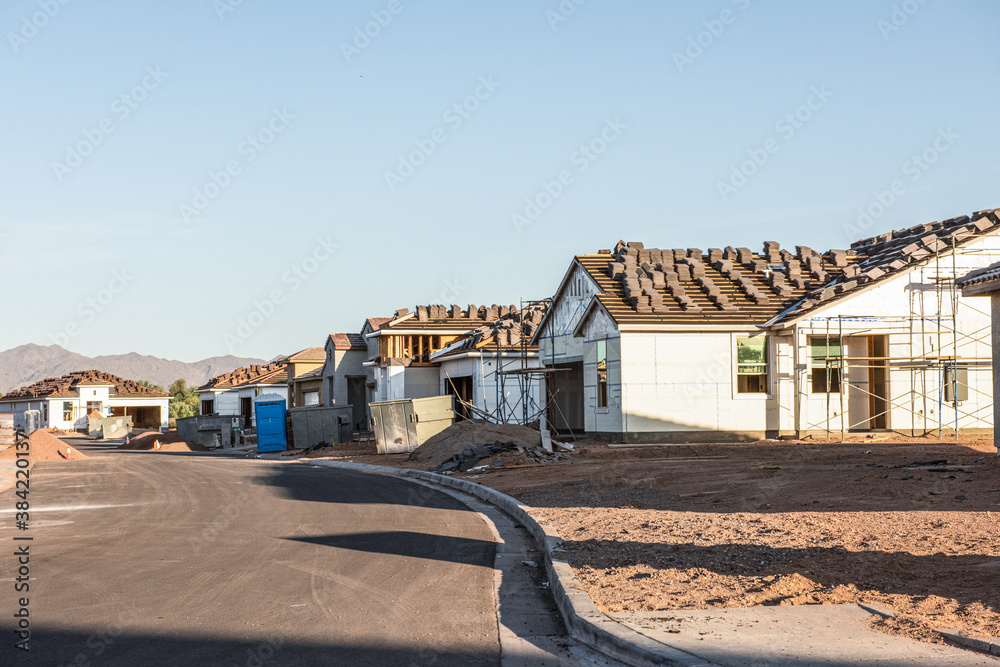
column 161, row 559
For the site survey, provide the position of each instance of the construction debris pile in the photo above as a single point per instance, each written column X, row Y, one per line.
column 458, row 436
column 460, row 447
column 467, row 459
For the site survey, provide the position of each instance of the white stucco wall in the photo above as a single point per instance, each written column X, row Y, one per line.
column 686, row 381
column 912, row 311
column 485, row 385
column 556, row 341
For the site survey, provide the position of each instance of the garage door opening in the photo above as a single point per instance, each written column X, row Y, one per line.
column 565, row 394
column 142, row 416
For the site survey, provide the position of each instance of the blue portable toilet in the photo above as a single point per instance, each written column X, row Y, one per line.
column 271, row 433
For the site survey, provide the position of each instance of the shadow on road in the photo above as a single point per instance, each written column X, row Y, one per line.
column 114, row 647
column 414, row 545
column 317, row 484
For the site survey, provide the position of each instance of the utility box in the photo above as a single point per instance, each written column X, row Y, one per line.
column 321, row 425
column 402, row 426
column 956, row 383
column 32, row 421
column 271, row 413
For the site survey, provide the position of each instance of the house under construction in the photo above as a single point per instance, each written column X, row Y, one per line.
column 729, row 343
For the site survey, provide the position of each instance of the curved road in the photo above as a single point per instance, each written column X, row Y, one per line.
column 162, row 559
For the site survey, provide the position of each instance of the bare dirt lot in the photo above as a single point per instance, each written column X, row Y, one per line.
column 910, row 524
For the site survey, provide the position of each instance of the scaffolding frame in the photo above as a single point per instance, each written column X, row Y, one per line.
column 946, row 365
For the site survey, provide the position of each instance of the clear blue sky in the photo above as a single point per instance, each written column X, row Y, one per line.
column 96, row 183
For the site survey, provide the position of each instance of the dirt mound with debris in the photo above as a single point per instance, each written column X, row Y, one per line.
column 58, row 432
column 169, row 441
column 43, row 446
column 470, row 432
column 146, row 440
column 182, row 447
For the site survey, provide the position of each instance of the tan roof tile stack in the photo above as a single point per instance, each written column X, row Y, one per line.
column 735, row 285
column 508, row 331
column 65, row 386
column 451, row 317
column 255, row 373
column 887, row 255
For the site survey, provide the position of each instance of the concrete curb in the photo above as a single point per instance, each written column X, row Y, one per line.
column 584, row 620
column 973, row 643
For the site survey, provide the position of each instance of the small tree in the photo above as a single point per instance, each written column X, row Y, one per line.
column 150, row 385
column 184, row 401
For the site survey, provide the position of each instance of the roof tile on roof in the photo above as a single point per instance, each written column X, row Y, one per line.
column 64, row 387
column 243, row 375
column 376, row 322
column 436, row 316
column 640, row 285
column 507, row 332
column 308, row 354
column 348, row 341
column 985, row 274
column 887, row 255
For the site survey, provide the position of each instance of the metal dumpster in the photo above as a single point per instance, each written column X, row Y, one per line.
column 321, row 425
column 208, row 430
column 402, row 426
column 271, row 426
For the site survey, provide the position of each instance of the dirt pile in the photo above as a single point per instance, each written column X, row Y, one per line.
column 471, row 432
column 43, row 446
column 169, row 441
column 146, row 440
column 911, row 526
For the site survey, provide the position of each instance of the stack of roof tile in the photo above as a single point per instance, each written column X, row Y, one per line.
column 65, row 386
column 649, row 285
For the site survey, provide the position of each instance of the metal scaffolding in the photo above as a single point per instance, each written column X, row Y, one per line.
column 946, row 364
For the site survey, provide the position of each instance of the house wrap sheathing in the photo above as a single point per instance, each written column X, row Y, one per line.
column 685, row 344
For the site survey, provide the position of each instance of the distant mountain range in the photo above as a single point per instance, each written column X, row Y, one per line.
column 28, row 364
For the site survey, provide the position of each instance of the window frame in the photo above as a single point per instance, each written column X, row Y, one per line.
column 602, row 375
column 737, row 364
column 834, row 378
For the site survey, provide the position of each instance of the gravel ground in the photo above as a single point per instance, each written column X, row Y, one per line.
column 778, row 523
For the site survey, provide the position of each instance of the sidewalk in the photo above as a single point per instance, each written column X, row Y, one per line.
column 799, row 636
